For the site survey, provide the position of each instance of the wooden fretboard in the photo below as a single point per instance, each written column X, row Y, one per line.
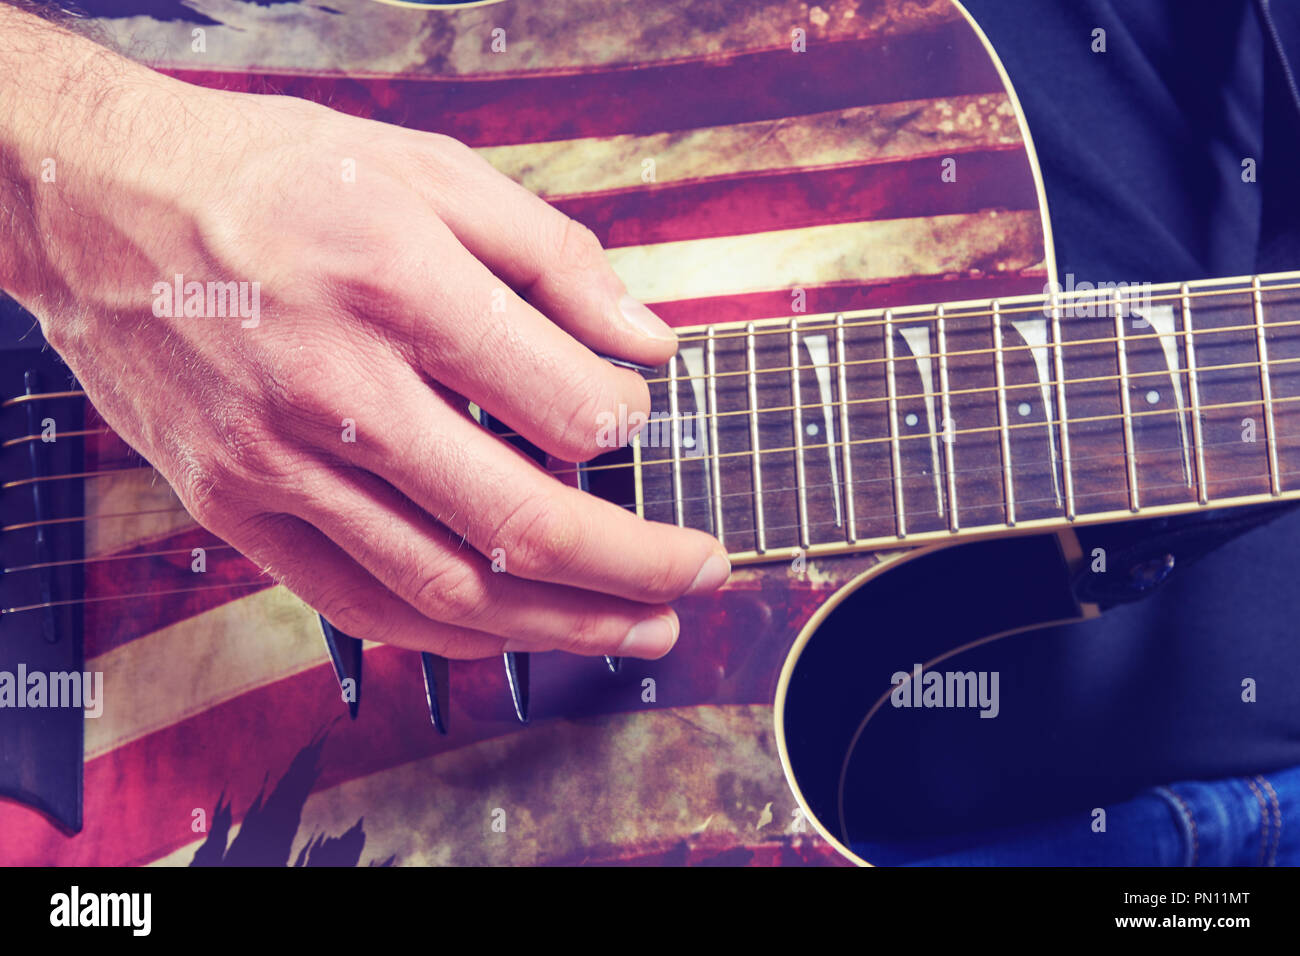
column 865, row 430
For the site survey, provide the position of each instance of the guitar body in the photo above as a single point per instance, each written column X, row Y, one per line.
column 732, row 176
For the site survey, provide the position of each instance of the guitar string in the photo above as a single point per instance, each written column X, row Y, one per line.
column 25, row 525
column 268, row 582
column 895, row 323
column 1127, row 339
column 890, row 440
column 1040, row 468
column 1052, row 302
column 1044, row 305
column 842, row 403
column 705, row 417
column 80, row 433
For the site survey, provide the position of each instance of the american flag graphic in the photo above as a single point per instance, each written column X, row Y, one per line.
column 728, row 156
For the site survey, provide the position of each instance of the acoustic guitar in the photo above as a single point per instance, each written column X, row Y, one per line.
column 878, row 386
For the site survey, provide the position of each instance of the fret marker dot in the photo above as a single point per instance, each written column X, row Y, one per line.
column 911, row 420
column 812, row 429
column 1024, row 409
column 1153, row 397
column 688, row 441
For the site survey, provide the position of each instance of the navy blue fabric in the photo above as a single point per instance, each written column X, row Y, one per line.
column 1141, row 149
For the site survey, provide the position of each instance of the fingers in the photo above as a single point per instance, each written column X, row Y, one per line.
column 470, row 332
column 315, row 569
column 432, row 570
column 481, row 489
column 553, row 261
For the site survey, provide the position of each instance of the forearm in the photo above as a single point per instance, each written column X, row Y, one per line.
column 64, row 133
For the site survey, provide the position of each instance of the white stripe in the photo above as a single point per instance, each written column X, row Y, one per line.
column 844, row 252
column 197, row 663
column 864, row 134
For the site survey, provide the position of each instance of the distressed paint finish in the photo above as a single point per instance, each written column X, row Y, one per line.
column 238, row 685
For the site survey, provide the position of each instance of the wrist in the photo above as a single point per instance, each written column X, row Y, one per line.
column 65, row 113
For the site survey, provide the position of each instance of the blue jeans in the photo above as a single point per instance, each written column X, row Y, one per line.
column 1239, row 821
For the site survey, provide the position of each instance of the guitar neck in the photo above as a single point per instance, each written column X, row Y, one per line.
column 866, row 430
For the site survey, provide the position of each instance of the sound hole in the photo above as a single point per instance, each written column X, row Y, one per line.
column 923, row 773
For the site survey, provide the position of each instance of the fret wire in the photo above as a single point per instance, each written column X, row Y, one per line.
column 896, row 447
column 800, row 477
column 1194, row 392
column 1266, row 387
column 715, row 462
column 756, row 452
column 675, row 438
column 949, row 453
column 846, row 457
column 1126, row 403
column 638, row 488
column 1008, row 478
column 1067, row 473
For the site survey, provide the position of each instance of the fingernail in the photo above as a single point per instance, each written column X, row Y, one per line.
column 645, row 321
column 715, row 570
column 650, row 639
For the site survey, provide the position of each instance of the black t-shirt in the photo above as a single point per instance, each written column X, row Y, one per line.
column 1141, row 149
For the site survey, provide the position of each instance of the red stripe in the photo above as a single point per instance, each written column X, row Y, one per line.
column 849, row 297
column 139, row 796
column 795, row 198
column 948, row 60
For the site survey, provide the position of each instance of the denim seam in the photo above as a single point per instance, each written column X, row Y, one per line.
column 1277, row 819
column 1264, row 826
column 1190, row 822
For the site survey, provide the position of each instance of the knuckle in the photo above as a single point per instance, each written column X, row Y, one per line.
column 584, row 635
column 584, row 401
column 664, row 581
column 296, row 388
column 537, row 540
column 352, row 615
column 197, row 484
column 455, row 595
column 580, row 249
column 251, row 456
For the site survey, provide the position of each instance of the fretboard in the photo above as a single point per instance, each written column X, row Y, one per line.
column 871, row 429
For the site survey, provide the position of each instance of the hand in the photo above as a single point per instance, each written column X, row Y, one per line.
column 388, row 302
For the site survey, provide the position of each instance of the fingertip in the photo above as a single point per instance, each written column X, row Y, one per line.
column 712, row 574
column 655, row 338
column 651, row 638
